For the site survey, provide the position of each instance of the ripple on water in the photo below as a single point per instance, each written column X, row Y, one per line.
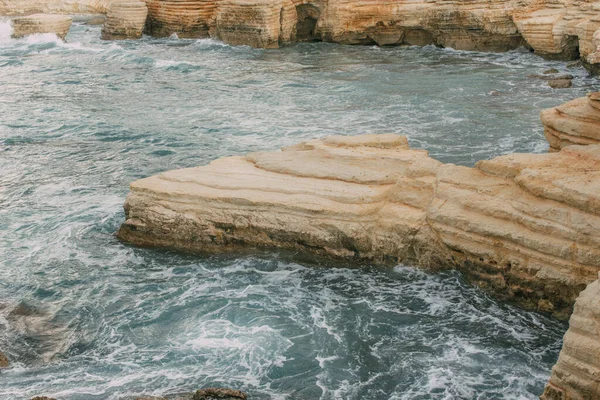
column 82, row 119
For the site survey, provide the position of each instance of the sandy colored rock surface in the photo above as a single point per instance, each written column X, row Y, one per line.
column 575, row 122
column 576, row 375
column 525, row 226
column 186, row 18
column 125, row 20
column 41, row 23
column 26, row 7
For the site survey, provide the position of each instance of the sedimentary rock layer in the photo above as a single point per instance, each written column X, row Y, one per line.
column 26, row 7
column 125, row 20
column 526, row 226
column 186, row 18
column 575, row 122
column 41, row 23
column 576, row 375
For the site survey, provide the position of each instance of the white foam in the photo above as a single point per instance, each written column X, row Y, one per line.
column 5, row 30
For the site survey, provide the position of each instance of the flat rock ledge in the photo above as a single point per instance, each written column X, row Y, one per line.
column 125, row 20
column 524, row 226
column 41, row 23
column 576, row 375
column 575, row 122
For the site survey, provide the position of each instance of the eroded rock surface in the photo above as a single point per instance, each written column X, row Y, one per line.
column 576, row 375
column 575, row 122
column 525, row 226
column 125, row 20
column 26, row 7
column 41, row 23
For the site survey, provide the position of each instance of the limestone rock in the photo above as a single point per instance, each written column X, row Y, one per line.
column 186, row 18
column 41, row 23
column 125, row 20
column 26, row 7
column 257, row 23
column 575, row 122
column 576, row 375
column 525, row 226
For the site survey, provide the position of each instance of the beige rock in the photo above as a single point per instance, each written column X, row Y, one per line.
column 576, row 375
column 41, row 23
column 575, row 122
column 26, row 7
column 125, row 20
column 525, row 226
column 186, row 18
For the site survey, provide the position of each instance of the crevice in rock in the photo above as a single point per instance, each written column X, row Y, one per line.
column 306, row 26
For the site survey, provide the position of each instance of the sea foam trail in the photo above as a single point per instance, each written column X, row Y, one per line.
column 5, row 30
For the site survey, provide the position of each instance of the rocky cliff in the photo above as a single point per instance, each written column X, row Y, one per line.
column 26, row 7
column 575, row 122
column 525, row 226
column 576, row 375
column 41, row 23
column 558, row 29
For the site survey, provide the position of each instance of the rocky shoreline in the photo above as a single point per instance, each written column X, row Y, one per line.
column 557, row 29
column 523, row 226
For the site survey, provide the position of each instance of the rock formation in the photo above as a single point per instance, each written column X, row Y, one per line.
column 575, row 122
column 26, row 7
column 525, row 225
column 41, row 23
column 186, row 18
column 125, row 20
column 576, row 375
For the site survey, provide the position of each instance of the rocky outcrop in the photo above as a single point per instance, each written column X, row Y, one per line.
column 26, row 7
column 525, row 226
column 562, row 30
column 125, row 20
column 186, row 18
column 219, row 393
column 575, row 122
column 41, row 23
column 576, row 375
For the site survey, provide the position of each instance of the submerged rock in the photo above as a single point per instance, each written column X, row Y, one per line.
column 525, row 226
column 576, row 375
column 572, row 123
column 42, row 398
column 125, row 20
column 4, row 363
column 219, row 393
column 41, row 23
column 560, row 83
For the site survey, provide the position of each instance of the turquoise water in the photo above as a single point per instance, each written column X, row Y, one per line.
column 96, row 319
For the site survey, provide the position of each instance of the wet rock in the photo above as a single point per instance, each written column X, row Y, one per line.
column 219, row 393
column 550, row 76
column 4, row 363
column 125, row 20
column 560, row 83
column 41, row 23
column 43, row 398
column 523, row 223
column 550, row 71
column 575, row 64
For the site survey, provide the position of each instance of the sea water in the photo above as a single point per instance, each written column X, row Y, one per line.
column 97, row 319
